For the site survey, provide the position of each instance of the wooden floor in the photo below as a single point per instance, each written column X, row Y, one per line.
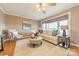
column 74, row 51
column 9, row 47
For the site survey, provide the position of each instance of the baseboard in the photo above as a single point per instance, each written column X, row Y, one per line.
column 74, row 44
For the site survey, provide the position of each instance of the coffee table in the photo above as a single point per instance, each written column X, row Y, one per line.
column 35, row 41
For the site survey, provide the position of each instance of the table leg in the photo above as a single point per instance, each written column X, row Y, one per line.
column 2, row 48
column 33, row 45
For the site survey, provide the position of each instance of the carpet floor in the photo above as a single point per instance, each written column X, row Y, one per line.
column 46, row 49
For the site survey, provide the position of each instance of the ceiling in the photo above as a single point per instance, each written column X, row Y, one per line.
column 28, row 10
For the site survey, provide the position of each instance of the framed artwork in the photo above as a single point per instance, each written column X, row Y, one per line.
column 26, row 27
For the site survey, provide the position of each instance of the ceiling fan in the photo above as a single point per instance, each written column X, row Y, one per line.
column 41, row 7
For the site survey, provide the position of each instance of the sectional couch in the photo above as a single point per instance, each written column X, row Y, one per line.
column 48, row 36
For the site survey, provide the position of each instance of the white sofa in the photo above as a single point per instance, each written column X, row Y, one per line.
column 47, row 35
column 21, row 35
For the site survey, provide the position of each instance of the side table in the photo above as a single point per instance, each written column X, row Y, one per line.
column 64, row 41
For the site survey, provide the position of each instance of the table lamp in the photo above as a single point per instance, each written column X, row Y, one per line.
column 64, row 28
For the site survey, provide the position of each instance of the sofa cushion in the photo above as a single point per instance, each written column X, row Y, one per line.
column 47, row 32
column 54, row 32
column 47, row 35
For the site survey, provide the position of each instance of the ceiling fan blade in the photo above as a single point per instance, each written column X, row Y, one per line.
column 51, row 4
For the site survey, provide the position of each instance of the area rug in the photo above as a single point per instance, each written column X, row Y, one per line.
column 46, row 49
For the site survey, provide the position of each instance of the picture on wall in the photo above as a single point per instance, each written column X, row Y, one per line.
column 26, row 27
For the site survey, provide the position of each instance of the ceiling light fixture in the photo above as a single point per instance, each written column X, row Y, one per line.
column 42, row 6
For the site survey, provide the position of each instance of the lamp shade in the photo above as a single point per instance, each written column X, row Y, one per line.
column 64, row 27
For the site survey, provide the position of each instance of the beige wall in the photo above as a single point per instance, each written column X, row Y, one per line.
column 14, row 22
column 75, row 25
column 2, row 20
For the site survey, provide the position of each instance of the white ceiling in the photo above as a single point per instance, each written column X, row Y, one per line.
column 27, row 10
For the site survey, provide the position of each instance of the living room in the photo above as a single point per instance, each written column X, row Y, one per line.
column 25, row 30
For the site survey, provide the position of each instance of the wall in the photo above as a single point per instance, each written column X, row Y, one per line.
column 14, row 22
column 2, row 21
column 75, row 25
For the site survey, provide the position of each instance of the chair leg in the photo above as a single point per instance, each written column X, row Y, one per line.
column 41, row 42
column 33, row 45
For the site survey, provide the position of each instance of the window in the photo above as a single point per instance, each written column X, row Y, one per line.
column 55, row 26
column 26, row 27
column 62, row 23
column 43, row 26
column 52, row 26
